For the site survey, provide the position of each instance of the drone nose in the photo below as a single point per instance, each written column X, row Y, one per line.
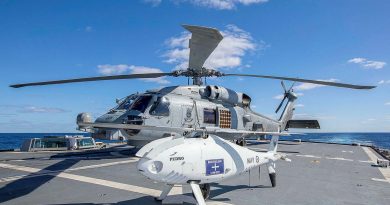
column 142, row 165
column 155, row 167
column 149, row 167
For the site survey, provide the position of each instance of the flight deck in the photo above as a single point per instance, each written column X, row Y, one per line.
column 318, row 174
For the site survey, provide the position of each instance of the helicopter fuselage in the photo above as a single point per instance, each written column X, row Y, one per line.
column 182, row 107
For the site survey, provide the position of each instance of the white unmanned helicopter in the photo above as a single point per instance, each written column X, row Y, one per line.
column 200, row 159
column 144, row 117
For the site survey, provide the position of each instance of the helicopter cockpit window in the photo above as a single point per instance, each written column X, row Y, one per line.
column 160, row 107
column 141, row 103
column 126, row 104
column 209, row 116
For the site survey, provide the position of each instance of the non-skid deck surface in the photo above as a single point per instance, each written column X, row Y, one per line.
column 318, row 174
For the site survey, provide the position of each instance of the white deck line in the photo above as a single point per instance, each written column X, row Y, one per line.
column 340, row 158
column 45, row 172
column 385, row 171
column 308, row 156
column 111, row 184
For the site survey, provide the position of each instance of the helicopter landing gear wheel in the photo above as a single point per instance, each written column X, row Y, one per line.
column 241, row 142
column 205, row 189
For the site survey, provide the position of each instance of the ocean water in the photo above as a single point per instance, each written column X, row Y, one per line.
column 14, row 140
column 377, row 139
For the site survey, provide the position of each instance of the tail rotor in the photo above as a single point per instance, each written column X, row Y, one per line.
column 285, row 95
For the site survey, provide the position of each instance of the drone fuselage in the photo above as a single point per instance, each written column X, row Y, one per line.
column 182, row 160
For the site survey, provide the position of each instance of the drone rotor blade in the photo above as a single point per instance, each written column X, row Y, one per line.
column 100, row 78
column 320, row 82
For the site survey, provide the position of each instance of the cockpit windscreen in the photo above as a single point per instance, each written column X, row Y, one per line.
column 126, row 104
column 141, row 103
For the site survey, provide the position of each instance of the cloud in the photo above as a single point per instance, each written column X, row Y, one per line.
column 154, row 3
column 6, row 115
column 310, row 86
column 368, row 64
column 34, row 109
column 23, row 125
column 369, row 120
column 278, row 97
column 120, row 69
column 388, row 103
column 384, row 82
column 299, row 105
column 224, row 4
column 13, row 121
column 214, row 4
column 88, row 29
column 228, row 54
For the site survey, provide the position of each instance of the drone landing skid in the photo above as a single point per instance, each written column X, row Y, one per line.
column 197, row 193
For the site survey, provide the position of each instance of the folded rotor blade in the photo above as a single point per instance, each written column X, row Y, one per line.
column 320, row 82
column 76, row 80
column 202, row 43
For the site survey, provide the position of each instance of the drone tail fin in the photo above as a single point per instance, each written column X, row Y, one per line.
column 273, row 145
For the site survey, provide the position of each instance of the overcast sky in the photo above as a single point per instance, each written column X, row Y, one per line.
column 344, row 41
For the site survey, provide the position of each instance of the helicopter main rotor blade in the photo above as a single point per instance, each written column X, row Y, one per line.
column 112, row 77
column 180, row 130
column 320, row 82
column 203, row 42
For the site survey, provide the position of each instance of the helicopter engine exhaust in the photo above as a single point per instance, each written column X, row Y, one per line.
column 214, row 92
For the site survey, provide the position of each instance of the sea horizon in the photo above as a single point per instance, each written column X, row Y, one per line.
column 13, row 140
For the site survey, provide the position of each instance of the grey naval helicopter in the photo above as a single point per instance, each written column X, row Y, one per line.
column 143, row 117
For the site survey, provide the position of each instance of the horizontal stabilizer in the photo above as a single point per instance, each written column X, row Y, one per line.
column 303, row 124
